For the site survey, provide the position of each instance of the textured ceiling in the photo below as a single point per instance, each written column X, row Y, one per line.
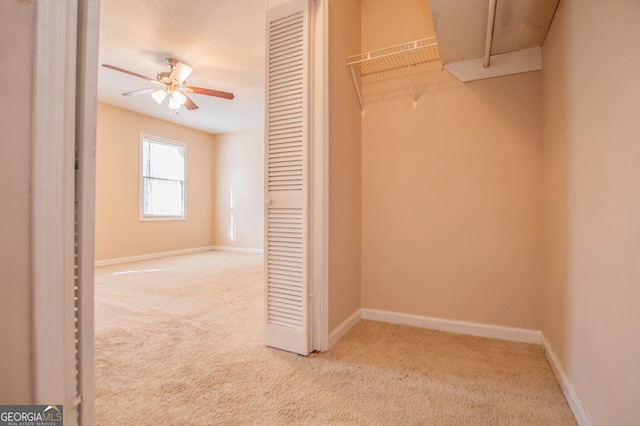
column 222, row 40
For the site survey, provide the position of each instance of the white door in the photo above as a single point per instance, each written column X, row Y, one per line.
column 286, row 178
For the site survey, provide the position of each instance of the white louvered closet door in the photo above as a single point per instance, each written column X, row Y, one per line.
column 286, row 178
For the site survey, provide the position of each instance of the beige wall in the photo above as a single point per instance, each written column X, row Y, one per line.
column 16, row 27
column 451, row 190
column 238, row 168
column 344, row 164
column 119, row 231
column 592, row 179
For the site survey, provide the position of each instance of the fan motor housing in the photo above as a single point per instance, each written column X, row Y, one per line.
column 163, row 77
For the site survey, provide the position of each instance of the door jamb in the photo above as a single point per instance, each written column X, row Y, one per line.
column 319, row 269
column 52, row 193
column 63, row 115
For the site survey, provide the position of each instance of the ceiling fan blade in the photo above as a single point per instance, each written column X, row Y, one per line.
column 180, row 72
column 209, row 92
column 135, row 74
column 141, row 92
column 189, row 104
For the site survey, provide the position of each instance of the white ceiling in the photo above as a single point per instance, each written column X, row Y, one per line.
column 222, row 40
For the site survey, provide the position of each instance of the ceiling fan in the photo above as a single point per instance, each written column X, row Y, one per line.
column 171, row 85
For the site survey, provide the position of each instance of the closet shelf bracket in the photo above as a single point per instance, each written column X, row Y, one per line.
column 391, row 58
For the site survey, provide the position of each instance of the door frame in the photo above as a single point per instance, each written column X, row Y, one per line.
column 65, row 74
column 63, row 120
column 319, row 177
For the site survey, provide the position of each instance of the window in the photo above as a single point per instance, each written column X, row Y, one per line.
column 163, row 179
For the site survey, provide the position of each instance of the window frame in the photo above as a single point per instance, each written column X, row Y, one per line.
column 165, row 141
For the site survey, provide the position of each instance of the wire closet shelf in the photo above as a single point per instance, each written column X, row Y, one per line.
column 404, row 55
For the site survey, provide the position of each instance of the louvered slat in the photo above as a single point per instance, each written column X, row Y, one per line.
column 284, row 260
column 285, row 180
column 285, row 115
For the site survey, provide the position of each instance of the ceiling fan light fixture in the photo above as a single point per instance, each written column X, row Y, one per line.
column 176, row 100
column 159, row 96
column 172, row 83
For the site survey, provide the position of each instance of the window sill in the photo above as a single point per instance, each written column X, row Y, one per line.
column 162, row 218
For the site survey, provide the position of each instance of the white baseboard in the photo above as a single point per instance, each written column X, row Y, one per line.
column 453, row 326
column 579, row 412
column 119, row 260
column 238, row 249
column 346, row 325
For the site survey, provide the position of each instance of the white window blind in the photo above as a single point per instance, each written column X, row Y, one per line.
column 163, row 179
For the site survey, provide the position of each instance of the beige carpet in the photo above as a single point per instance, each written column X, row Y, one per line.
column 179, row 342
